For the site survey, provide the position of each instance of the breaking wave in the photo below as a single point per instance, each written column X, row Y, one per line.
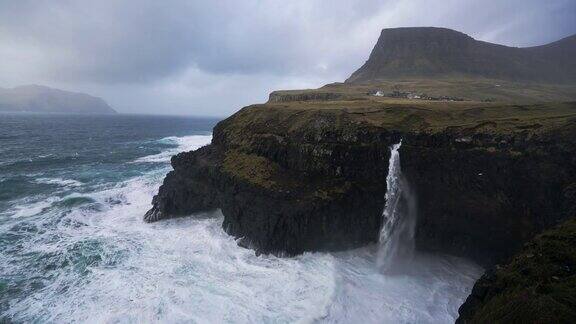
column 186, row 143
column 59, row 181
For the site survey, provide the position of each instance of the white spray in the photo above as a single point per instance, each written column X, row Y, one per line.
column 396, row 241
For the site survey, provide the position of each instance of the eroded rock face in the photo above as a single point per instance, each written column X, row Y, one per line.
column 290, row 181
column 284, row 195
column 190, row 187
column 485, row 198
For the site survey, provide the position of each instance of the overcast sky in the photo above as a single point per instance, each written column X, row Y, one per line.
column 213, row 57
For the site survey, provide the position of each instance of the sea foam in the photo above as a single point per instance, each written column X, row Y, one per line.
column 184, row 144
column 100, row 262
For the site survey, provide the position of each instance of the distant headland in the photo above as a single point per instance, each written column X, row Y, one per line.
column 37, row 98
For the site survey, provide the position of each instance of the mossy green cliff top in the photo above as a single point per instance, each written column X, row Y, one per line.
column 537, row 286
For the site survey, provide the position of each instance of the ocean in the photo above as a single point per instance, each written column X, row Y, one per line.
column 74, row 247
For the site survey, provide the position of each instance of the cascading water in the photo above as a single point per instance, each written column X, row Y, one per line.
column 396, row 241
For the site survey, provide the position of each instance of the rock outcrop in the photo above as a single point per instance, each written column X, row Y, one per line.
column 537, row 286
column 287, row 96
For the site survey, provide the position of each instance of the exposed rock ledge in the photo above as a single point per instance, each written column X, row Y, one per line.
column 291, row 179
column 297, row 95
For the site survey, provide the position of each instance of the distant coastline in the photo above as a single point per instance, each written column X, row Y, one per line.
column 42, row 99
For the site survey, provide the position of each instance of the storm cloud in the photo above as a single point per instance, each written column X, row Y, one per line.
column 213, row 57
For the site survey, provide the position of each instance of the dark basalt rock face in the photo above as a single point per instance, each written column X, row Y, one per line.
column 485, row 198
column 286, row 225
column 313, row 180
column 190, row 187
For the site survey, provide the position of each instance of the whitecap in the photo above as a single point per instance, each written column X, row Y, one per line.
column 184, row 144
column 27, row 209
column 59, row 181
column 180, row 270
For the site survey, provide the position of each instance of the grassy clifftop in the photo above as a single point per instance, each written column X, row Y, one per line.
column 489, row 105
column 468, row 89
column 422, row 116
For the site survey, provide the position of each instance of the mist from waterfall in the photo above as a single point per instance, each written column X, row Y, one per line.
column 396, row 241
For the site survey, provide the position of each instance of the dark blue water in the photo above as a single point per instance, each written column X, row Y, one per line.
column 74, row 247
column 38, row 150
column 52, row 166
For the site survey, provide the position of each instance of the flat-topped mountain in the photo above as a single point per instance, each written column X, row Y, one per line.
column 429, row 52
column 36, row 98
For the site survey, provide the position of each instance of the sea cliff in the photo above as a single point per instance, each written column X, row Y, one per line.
column 295, row 177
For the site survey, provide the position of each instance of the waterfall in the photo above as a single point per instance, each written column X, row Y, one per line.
column 396, row 241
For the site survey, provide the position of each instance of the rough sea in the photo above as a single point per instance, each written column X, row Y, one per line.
column 74, row 248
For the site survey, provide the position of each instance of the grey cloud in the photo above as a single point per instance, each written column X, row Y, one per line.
column 149, row 47
column 119, row 41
